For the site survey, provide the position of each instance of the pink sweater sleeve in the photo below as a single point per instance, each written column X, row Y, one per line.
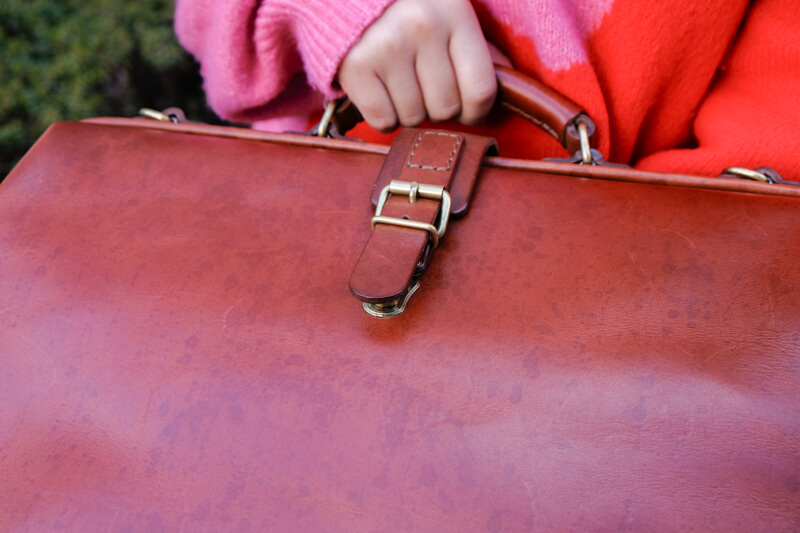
column 270, row 58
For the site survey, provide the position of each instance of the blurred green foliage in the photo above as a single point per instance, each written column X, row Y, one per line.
column 73, row 59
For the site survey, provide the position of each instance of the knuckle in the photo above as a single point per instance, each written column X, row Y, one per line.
column 358, row 57
column 355, row 63
column 444, row 111
column 479, row 102
column 412, row 119
column 388, row 44
column 382, row 125
column 376, row 115
column 417, row 16
column 382, row 122
column 483, row 94
column 417, row 20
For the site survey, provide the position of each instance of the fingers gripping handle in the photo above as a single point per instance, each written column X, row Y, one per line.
column 525, row 96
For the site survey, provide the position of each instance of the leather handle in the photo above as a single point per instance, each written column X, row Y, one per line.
column 544, row 107
column 525, row 96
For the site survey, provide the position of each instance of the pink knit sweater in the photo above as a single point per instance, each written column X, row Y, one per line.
column 682, row 86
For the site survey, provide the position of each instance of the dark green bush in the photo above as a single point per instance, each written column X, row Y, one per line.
column 72, row 59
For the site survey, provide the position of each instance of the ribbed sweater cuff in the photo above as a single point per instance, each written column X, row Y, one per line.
column 326, row 30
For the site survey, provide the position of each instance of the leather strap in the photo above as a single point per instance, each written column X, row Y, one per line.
column 460, row 189
column 393, row 254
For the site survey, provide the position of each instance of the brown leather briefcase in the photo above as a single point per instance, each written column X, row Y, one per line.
column 587, row 348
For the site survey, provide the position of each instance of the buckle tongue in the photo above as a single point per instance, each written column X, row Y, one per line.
column 415, row 190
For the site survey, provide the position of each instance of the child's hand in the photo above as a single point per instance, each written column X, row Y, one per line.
column 421, row 58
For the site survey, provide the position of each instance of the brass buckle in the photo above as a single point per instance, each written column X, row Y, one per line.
column 414, row 191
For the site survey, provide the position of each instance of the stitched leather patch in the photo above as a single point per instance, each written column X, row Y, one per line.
column 441, row 153
column 434, row 151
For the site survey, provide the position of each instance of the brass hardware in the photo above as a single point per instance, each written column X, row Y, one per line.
column 155, row 115
column 413, row 224
column 325, row 122
column 746, row 173
column 415, row 190
column 586, row 148
column 394, row 308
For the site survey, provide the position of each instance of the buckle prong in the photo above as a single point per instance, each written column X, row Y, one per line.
column 415, row 190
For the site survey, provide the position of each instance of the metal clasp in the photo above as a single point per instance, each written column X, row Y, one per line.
column 414, row 191
column 324, row 126
column 741, row 172
column 152, row 114
column 760, row 174
column 586, row 148
column 394, row 308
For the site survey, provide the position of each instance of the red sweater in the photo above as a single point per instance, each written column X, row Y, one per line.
column 682, row 86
